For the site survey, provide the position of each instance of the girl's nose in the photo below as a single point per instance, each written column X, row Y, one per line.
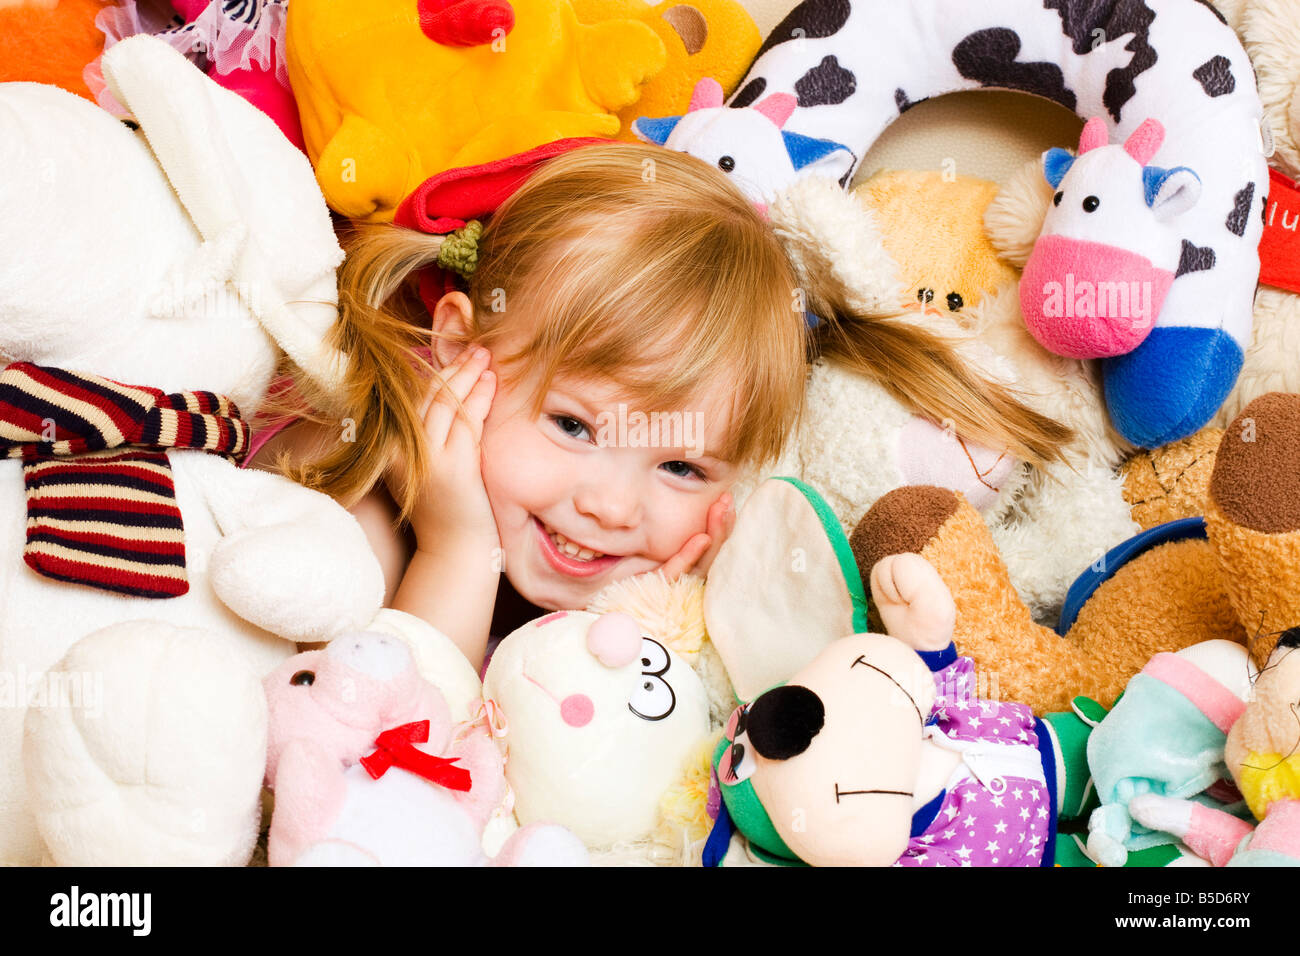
column 609, row 500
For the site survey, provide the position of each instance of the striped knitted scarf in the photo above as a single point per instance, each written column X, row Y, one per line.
column 101, row 504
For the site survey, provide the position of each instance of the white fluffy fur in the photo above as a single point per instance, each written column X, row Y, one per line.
column 116, row 280
column 1051, row 523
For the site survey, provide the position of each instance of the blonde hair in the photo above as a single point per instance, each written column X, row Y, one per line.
column 634, row 263
column 923, row 371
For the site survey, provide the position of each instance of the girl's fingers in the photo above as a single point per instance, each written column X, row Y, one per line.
column 722, row 521
column 477, row 404
column 459, row 383
column 439, row 375
column 686, row 559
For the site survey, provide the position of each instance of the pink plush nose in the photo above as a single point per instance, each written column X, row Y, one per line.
column 576, row 710
column 614, row 639
column 1088, row 300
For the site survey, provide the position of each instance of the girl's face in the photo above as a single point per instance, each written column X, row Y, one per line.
column 595, row 488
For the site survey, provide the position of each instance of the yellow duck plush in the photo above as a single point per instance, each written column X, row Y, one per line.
column 392, row 92
column 714, row 38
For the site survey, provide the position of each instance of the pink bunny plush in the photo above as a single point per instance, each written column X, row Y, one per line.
column 369, row 770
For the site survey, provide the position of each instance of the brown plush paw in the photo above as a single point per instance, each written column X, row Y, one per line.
column 1256, row 479
column 1171, row 482
column 902, row 521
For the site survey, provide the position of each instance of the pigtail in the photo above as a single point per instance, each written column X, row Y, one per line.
column 381, row 325
column 923, row 371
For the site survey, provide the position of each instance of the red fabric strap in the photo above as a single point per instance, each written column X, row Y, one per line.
column 396, row 748
column 1279, row 249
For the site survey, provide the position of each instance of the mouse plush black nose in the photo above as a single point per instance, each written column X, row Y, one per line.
column 784, row 721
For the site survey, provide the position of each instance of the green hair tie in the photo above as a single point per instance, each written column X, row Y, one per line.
column 459, row 251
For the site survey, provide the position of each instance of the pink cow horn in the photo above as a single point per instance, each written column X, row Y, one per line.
column 1094, row 135
column 706, row 95
column 777, row 107
column 1145, row 141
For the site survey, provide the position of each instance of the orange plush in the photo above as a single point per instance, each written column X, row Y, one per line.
column 392, row 92
column 50, row 42
column 1242, row 583
column 714, row 38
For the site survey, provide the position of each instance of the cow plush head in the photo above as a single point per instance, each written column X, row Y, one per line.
column 1110, row 245
column 748, row 143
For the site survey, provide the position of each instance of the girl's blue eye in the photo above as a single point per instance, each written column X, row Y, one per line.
column 571, row 427
column 683, row 469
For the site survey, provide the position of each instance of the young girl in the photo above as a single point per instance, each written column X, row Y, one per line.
column 619, row 281
column 621, row 284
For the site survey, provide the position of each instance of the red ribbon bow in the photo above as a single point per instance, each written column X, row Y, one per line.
column 395, row 748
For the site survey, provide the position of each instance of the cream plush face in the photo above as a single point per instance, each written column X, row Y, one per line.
column 600, row 720
column 840, row 790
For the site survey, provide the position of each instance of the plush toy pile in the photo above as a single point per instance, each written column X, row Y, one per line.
column 907, row 627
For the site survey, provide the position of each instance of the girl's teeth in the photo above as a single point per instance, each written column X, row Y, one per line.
column 572, row 550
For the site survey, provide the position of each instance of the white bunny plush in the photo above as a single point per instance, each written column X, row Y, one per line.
column 157, row 273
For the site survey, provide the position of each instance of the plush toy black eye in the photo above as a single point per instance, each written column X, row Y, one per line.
column 955, row 302
column 726, row 164
column 1091, row 203
column 1056, row 200
column 925, row 296
column 1290, row 637
column 303, row 679
column 784, row 721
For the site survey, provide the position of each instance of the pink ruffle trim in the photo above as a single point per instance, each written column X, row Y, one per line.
column 225, row 36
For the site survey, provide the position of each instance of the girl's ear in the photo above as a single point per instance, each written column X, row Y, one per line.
column 451, row 327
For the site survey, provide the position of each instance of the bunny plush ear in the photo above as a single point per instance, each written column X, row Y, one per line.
column 251, row 195
column 783, row 586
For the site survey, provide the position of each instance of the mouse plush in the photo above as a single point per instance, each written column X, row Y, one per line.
column 368, row 768
column 879, row 752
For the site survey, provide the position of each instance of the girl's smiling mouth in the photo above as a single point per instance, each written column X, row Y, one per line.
column 570, row 558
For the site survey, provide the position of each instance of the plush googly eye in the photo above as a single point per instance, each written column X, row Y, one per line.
column 653, row 698
column 654, row 659
column 726, row 164
column 303, row 679
column 1090, row 203
column 955, row 302
column 1056, row 200
column 737, row 762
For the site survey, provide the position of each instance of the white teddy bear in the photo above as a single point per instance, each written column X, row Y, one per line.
column 158, row 273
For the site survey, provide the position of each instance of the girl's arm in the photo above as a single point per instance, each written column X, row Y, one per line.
column 451, row 580
column 445, row 568
column 453, row 586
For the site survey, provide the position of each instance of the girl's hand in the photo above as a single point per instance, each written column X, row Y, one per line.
column 698, row 552
column 452, row 500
